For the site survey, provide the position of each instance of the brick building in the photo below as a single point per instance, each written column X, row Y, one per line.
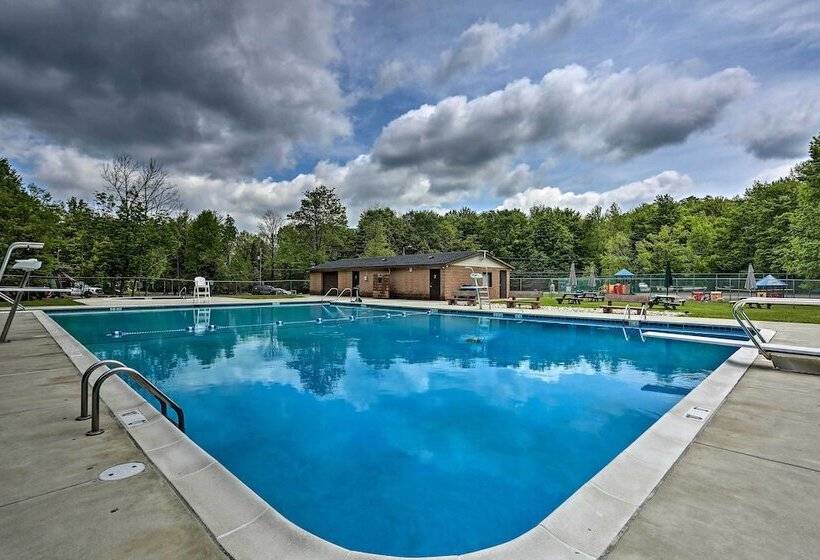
column 435, row 276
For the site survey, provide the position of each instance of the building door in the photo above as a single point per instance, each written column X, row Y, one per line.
column 329, row 280
column 355, row 281
column 502, row 283
column 435, row 283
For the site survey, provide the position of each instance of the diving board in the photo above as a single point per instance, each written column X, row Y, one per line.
column 768, row 346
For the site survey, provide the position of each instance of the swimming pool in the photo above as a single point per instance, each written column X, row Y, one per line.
column 402, row 432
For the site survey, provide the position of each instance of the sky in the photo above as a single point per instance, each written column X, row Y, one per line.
column 411, row 104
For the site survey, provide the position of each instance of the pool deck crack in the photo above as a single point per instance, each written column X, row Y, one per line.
column 786, row 463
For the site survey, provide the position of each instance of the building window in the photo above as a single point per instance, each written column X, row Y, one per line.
column 488, row 279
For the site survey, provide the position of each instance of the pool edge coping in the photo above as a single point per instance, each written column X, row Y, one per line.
column 586, row 525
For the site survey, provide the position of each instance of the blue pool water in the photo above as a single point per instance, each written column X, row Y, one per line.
column 408, row 435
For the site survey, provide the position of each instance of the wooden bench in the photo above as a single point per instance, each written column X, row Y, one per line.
column 572, row 298
column 533, row 304
column 611, row 308
column 468, row 299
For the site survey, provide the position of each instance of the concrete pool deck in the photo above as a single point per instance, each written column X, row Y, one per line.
column 752, row 432
column 52, row 504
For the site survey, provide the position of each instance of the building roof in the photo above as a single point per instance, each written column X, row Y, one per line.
column 403, row 261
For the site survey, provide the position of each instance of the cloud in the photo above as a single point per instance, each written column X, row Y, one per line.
column 210, row 87
column 781, row 126
column 567, row 17
column 599, row 113
column 477, row 47
column 625, row 196
column 483, row 43
column 457, row 149
column 796, row 20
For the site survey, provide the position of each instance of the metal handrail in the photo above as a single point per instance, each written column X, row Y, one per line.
column 343, row 293
column 10, row 301
column 84, row 385
column 328, row 292
column 164, row 400
column 748, row 327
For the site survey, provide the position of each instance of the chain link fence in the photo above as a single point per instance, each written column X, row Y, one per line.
column 133, row 286
column 731, row 285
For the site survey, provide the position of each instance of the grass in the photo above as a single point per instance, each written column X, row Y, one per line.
column 719, row 310
column 49, row 302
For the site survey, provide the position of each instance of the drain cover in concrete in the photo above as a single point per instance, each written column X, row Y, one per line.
column 118, row 472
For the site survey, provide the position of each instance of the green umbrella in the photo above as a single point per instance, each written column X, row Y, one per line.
column 667, row 277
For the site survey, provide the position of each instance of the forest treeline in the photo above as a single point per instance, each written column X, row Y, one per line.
column 135, row 226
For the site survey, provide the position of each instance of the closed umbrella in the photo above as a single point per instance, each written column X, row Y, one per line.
column 751, row 282
column 667, row 277
column 573, row 280
column 593, row 280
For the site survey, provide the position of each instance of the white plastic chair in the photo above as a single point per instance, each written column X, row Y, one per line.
column 202, row 289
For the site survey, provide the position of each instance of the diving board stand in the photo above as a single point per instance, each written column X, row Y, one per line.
column 26, row 266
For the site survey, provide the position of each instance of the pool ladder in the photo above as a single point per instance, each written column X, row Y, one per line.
column 340, row 294
column 119, row 369
column 638, row 313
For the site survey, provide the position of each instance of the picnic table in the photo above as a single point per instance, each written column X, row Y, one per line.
column 578, row 297
column 668, row 302
column 570, row 297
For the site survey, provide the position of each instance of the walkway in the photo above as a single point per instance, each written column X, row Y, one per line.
column 749, row 486
column 51, row 503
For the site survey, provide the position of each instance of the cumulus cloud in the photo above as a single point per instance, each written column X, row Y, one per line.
column 441, row 154
column 597, row 113
column 213, row 87
column 625, row 196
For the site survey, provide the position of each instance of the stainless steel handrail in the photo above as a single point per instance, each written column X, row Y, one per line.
column 7, row 299
column 164, row 400
column 329, row 292
column 84, row 385
column 748, row 327
column 343, row 293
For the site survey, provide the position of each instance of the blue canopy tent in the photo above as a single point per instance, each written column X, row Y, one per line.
column 770, row 282
column 623, row 273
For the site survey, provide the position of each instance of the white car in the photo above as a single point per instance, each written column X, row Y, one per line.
column 81, row 289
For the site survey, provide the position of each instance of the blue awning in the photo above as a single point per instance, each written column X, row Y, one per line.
column 770, row 281
column 623, row 273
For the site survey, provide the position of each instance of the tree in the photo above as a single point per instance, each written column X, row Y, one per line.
column 206, row 246
column 322, row 216
column 269, row 227
column 133, row 188
column 804, row 253
column 378, row 245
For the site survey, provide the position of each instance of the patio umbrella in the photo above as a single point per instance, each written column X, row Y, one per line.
column 751, row 283
column 593, row 280
column 770, row 281
column 573, row 280
column 623, row 273
column 667, row 276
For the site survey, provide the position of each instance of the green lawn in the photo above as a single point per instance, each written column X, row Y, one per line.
column 720, row 310
column 44, row 302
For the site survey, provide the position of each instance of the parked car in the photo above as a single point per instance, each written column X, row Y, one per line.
column 264, row 289
column 81, row 289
